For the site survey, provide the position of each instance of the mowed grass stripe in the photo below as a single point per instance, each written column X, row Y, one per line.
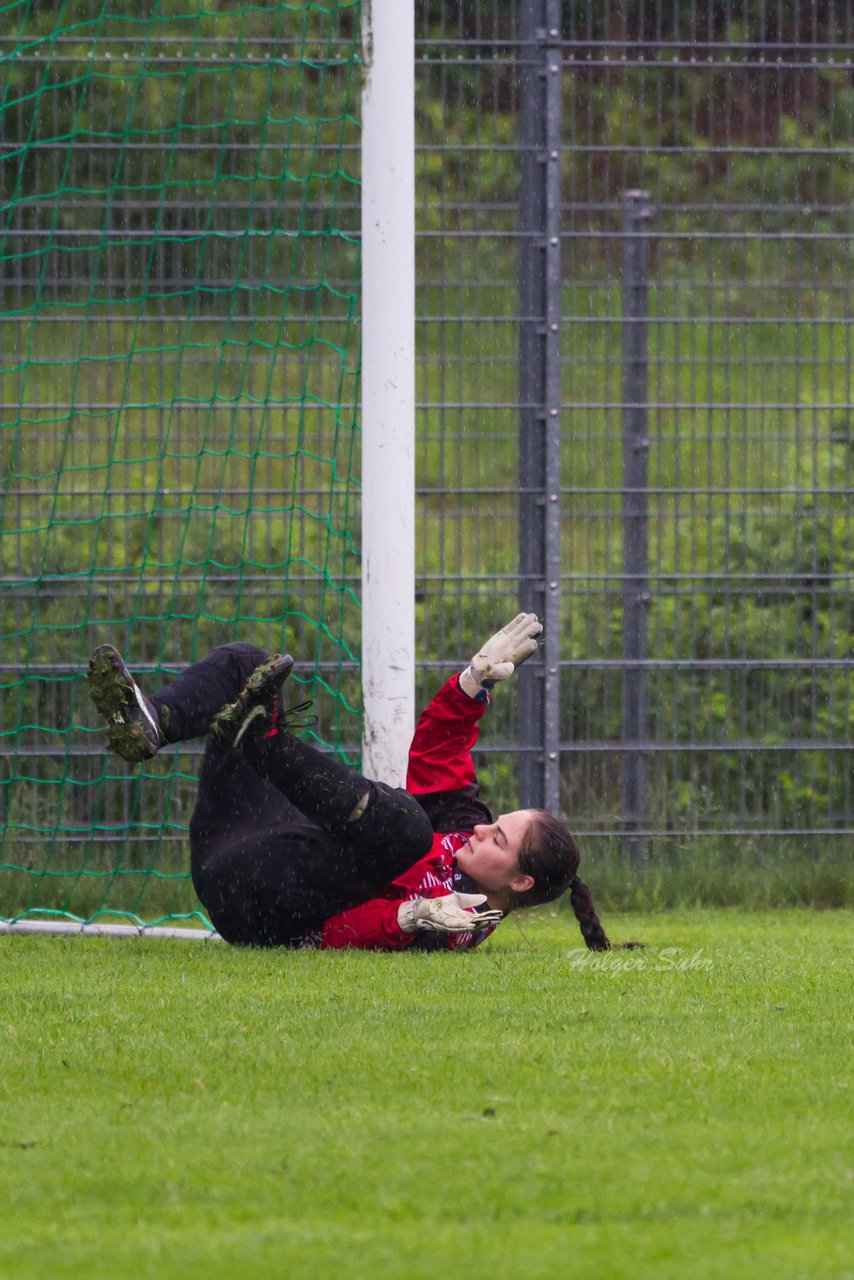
column 525, row 1110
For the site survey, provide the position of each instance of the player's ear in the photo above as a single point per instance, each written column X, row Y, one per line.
column 521, row 882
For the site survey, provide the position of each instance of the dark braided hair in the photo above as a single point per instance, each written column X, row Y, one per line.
column 585, row 913
column 550, row 855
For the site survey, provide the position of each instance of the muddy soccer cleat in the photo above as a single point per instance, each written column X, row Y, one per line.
column 256, row 710
column 133, row 727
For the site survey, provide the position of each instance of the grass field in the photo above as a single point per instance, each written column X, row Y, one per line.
column 527, row 1110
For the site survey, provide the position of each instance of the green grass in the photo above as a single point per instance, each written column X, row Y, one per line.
column 743, row 871
column 527, row 1110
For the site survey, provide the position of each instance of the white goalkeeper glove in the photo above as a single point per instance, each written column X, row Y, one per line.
column 501, row 655
column 451, row 914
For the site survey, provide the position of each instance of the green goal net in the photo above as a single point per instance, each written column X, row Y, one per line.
column 179, row 363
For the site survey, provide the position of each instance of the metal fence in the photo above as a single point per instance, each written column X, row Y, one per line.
column 636, row 402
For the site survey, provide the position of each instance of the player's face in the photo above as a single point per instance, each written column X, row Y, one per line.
column 491, row 854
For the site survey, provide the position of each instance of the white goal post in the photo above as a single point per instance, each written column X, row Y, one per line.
column 92, row 929
column 388, row 387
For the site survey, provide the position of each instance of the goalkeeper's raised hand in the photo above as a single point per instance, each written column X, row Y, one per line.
column 501, row 655
column 452, row 914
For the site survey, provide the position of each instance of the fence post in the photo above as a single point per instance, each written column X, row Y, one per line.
column 637, row 212
column 540, row 396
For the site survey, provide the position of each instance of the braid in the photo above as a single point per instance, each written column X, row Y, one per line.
column 550, row 855
column 585, row 913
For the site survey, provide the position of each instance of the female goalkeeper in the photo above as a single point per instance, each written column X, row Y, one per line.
column 291, row 848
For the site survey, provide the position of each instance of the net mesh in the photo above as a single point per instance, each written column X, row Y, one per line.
column 179, row 367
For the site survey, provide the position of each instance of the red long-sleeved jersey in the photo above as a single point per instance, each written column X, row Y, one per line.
column 441, row 774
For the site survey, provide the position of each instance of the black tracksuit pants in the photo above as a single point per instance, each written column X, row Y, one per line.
column 273, row 850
